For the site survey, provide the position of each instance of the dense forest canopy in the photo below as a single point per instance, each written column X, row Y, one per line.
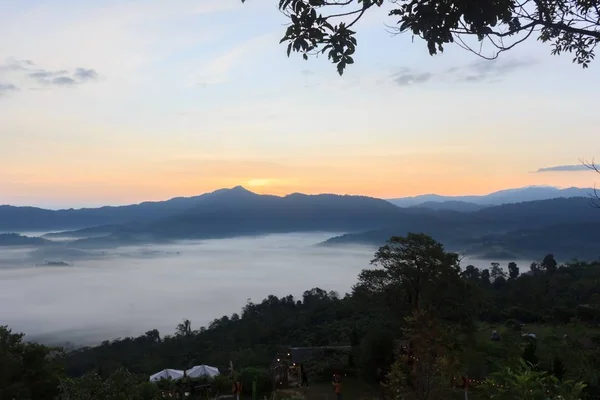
column 415, row 322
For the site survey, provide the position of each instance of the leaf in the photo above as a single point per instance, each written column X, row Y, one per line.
column 340, row 67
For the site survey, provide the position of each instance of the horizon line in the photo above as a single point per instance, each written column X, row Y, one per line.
column 288, row 194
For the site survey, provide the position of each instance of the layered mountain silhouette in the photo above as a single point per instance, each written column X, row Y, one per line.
column 529, row 193
column 562, row 225
column 31, row 218
column 223, row 213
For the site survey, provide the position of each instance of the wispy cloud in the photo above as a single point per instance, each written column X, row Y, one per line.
column 84, row 74
column 485, row 70
column 564, row 168
column 218, row 69
column 12, row 64
column 7, row 87
column 407, row 77
column 49, row 77
column 481, row 70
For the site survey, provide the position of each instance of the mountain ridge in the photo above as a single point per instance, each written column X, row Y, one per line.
column 516, row 195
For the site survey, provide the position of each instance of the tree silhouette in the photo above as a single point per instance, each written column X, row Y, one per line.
column 184, row 328
column 513, row 270
column 326, row 26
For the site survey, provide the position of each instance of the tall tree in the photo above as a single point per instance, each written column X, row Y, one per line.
column 497, row 272
column 327, row 26
column 549, row 263
column 416, row 265
column 513, row 270
column 471, row 273
column 485, row 276
column 184, row 328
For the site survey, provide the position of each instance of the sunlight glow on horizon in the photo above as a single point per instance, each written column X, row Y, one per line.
column 178, row 104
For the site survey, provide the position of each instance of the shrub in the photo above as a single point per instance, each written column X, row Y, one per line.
column 264, row 383
column 222, row 384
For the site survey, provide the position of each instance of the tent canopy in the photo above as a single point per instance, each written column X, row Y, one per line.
column 172, row 374
column 202, row 370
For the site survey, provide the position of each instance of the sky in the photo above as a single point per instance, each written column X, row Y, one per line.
column 121, row 101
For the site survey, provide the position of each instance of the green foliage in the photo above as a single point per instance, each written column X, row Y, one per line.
column 325, row 26
column 525, row 383
column 418, row 270
column 264, row 383
column 415, row 295
column 376, row 352
column 222, row 384
column 427, row 367
column 120, row 385
column 27, row 370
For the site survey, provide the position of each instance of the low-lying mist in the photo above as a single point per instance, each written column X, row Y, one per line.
column 107, row 294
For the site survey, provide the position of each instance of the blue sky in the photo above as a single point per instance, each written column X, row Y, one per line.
column 182, row 97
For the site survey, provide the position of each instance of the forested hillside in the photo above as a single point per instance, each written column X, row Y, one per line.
column 415, row 294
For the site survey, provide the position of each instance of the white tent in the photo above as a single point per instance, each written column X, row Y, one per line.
column 172, row 374
column 202, row 370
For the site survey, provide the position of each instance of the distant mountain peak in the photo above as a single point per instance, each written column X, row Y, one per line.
column 239, row 188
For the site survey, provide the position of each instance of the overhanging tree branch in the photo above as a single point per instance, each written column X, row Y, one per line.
column 573, row 26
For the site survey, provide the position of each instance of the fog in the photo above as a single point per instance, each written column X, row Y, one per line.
column 103, row 295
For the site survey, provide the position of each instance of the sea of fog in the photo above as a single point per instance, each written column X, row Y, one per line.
column 128, row 291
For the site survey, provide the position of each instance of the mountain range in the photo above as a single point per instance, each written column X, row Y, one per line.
column 563, row 225
column 528, row 193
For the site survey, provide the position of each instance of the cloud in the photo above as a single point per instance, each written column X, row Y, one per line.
column 481, row 70
column 49, row 77
column 46, row 77
column 484, row 70
column 64, row 81
column 405, row 77
column 12, row 64
column 84, row 74
column 564, row 168
column 7, row 87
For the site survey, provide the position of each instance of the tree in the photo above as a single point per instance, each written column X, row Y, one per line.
column 184, row 328
column 326, row 26
column 27, row 370
column 549, row 264
column 497, row 272
column 153, row 336
column 485, row 276
column 471, row 273
column 426, row 370
column 535, row 268
column 513, row 270
column 419, row 269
